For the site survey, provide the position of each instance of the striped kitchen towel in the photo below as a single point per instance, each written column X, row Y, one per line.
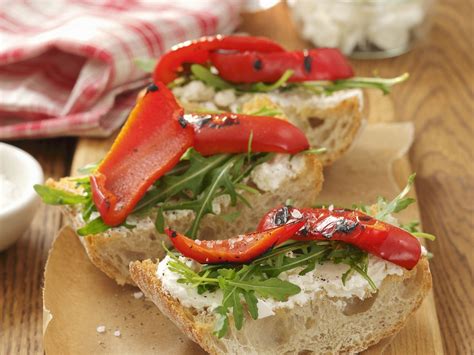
column 67, row 67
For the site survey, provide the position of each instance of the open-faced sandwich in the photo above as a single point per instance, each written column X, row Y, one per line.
column 310, row 280
column 248, row 129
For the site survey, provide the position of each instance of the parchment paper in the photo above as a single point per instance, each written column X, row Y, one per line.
column 78, row 297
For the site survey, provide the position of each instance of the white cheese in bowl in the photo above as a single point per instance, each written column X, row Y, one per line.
column 19, row 172
column 8, row 191
column 356, row 25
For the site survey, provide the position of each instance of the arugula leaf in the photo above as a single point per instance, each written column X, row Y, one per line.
column 364, row 275
column 204, row 74
column 191, row 180
column 274, row 288
column 249, row 145
column 89, row 207
column 220, row 179
column 160, row 220
column 267, row 111
column 328, row 87
column 424, row 235
column 237, row 310
column 52, row 196
column 262, row 87
column 411, row 226
column 251, row 302
column 88, row 168
column 398, row 204
column 97, row 225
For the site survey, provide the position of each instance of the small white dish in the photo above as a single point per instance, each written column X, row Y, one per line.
column 21, row 169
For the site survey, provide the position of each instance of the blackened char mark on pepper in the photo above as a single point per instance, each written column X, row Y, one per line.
column 308, row 62
column 258, row 65
column 152, row 87
column 342, row 225
column 281, row 216
column 221, row 121
column 212, row 121
column 303, row 231
column 182, row 121
column 364, row 218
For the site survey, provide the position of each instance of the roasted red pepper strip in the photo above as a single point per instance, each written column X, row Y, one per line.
column 252, row 67
column 230, row 133
column 149, row 144
column 197, row 52
column 238, row 250
column 353, row 227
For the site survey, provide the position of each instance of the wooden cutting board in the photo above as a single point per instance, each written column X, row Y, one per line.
column 422, row 334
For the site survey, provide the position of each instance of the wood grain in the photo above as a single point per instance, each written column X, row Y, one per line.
column 22, row 265
column 438, row 98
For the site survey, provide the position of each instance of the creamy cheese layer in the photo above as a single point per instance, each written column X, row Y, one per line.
column 269, row 176
column 324, row 280
column 206, row 96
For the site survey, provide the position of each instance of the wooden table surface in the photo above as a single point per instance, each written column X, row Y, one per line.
column 438, row 98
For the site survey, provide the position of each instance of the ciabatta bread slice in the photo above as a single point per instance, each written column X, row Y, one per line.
column 321, row 326
column 329, row 121
column 299, row 178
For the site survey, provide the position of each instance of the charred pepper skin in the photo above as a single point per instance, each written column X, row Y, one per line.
column 156, row 135
column 230, row 133
column 307, row 65
column 238, row 250
column 353, row 227
column 170, row 65
column 153, row 134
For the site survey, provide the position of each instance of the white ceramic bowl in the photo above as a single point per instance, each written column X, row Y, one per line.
column 23, row 171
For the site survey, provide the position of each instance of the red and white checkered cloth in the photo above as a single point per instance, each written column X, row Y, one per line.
column 67, row 66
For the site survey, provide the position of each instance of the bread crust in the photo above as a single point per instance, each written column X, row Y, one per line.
column 144, row 275
column 417, row 282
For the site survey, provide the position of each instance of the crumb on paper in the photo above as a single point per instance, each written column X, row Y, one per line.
column 101, row 329
column 117, row 333
column 138, row 295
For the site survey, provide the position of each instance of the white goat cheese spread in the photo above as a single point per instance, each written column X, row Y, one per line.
column 298, row 99
column 224, row 98
column 325, row 279
column 194, row 91
column 186, row 294
column 269, row 176
column 204, row 95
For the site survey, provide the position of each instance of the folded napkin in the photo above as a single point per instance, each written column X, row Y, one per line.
column 67, row 67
